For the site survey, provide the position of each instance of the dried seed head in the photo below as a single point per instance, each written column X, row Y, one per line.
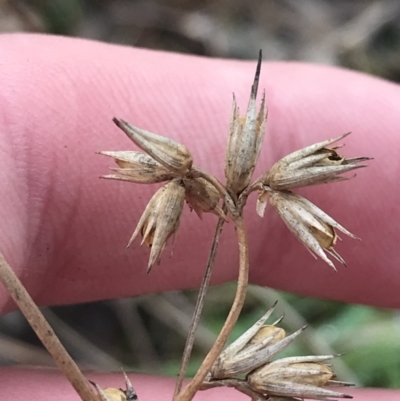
column 171, row 154
column 303, row 377
column 137, row 167
column 315, row 164
column 246, row 135
column 252, row 349
column 313, row 227
column 109, row 394
column 115, row 394
column 160, row 220
column 201, row 197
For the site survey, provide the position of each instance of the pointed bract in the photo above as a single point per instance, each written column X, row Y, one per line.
column 302, row 377
column 160, row 220
column 253, row 349
column 171, row 154
column 246, row 135
column 312, row 165
column 137, row 167
column 313, row 227
column 130, row 393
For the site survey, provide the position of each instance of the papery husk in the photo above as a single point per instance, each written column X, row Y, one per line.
column 246, row 135
column 137, row 167
column 313, row 165
column 202, row 197
column 161, row 218
column 171, row 154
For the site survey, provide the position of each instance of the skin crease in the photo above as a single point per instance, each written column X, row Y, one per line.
column 64, row 231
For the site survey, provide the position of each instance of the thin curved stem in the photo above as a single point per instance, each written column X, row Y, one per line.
column 44, row 331
column 240, row 385
column 190, row 390
column 256, row 185
column 199, row 307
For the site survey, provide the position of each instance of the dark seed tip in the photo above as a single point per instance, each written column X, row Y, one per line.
column 118, row 122
column 254, row 88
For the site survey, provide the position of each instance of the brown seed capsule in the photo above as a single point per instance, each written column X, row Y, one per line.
column 313, row 227
column 115, row 394
column 252, row 349
column 246, row 135
column 137, row 167
column 171, row 154
column 267, row 331
column 109, row 394
column 201, row 197
column 313, row 165
column 303, row 377
column 160, row 220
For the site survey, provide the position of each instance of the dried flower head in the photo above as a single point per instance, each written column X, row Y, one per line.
column 160, row 220
column 164, row 160
column 246, row 135
column 171, row 154
column 302, row 377
column 252, row 349
column 313, row 227
column 202, row 197
column 137, row 167
column 312, row 165
column 288, row 379
column 116, row 394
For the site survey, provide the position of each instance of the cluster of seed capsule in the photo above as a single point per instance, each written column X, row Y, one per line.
column 247, row 363
column 285, row 379
column 165, row 160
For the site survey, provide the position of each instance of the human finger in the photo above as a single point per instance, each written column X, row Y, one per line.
column 64, row 231
column 46, row 385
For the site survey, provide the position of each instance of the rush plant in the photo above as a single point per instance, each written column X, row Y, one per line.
column 163, row 160
column 248, row 364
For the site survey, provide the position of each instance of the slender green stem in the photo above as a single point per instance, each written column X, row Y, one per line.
column 44, row 331
column 190, row 390
column 199, row 307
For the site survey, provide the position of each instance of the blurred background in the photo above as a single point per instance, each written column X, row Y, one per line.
column 148, row 333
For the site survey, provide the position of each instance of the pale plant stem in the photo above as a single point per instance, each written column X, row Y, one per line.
column 256, row 185
column 44, row 331
column 199, row 307
column 240, row 385
column 190, row 390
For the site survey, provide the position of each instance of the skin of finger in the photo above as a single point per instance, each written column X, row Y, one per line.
column 43, row 385
column 64, row 230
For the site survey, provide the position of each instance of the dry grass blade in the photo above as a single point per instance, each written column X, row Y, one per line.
column 44, row 331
